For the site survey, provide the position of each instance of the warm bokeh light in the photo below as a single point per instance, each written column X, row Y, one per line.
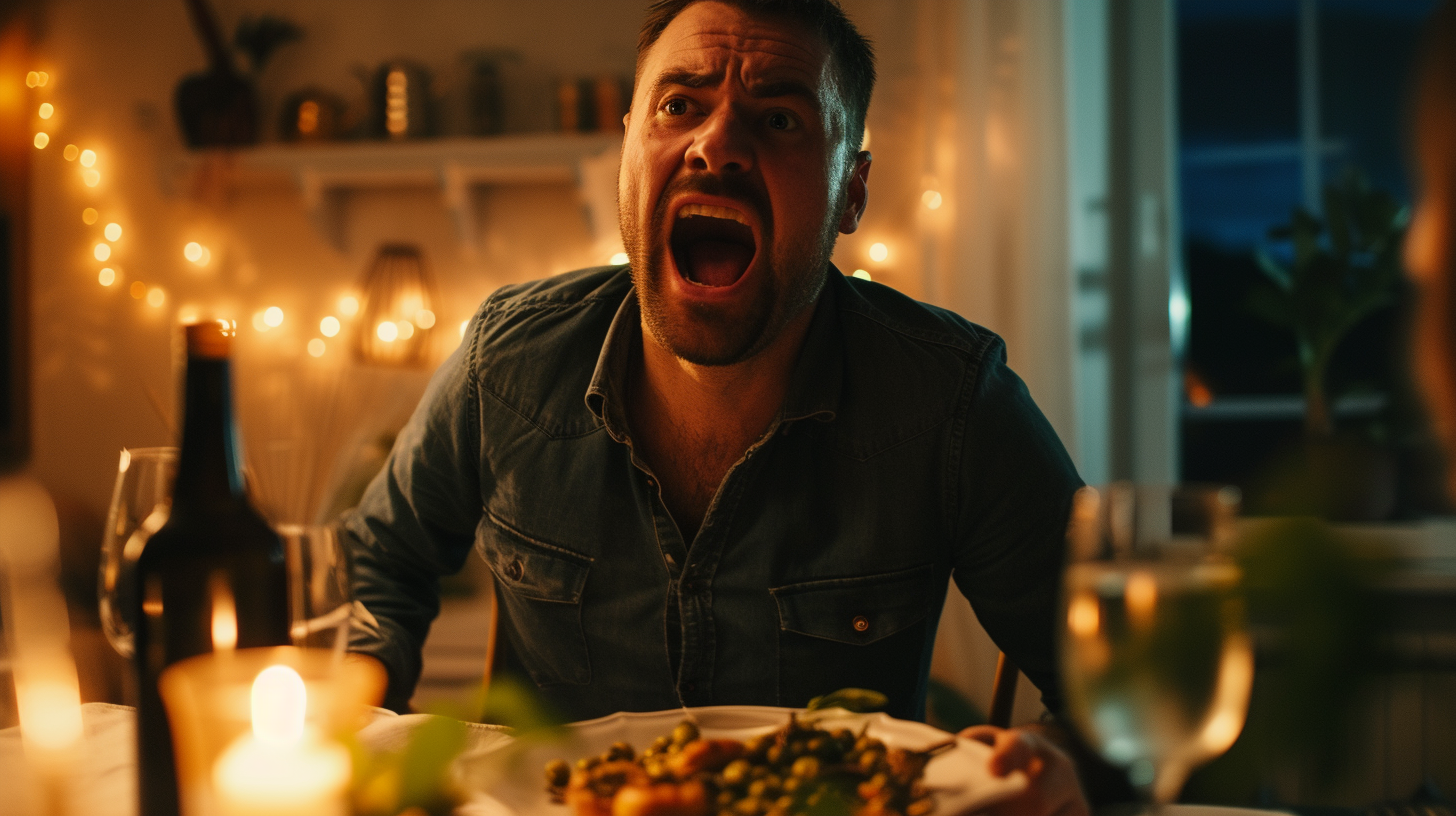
column 862, row 274
column 89, row 216
column 156, row 297
column 138, row 290
column 195, row 253
column 113, row 231
column 46, row 109
column 1141, row 597
column 406, row 329
column 42, row 79
column 50, row 712
column 619, row 258
column 932, row 199
column 879, row 252
column 102, row 251
column 259, row 323
column 387, row 331
column 463, row 325
column 329, row 326
column 71, row 152
column 316, row 347
column 88, row 158
column 32, row 79
column 187, row 315
column 1084, row 617
column 424, row 318
column 273, row 316
column 348, row 305
column 206, row 257
column 41, row 140
column 106, row 276
column 91, row 177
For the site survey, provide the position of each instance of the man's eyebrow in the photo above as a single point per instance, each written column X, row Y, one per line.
column 768, row 89
column 784, row 87
column 681, row 78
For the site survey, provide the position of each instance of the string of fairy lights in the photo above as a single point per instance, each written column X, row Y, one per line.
column 198, row 254
column 109, row 274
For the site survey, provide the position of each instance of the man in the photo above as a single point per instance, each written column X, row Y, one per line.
column 726, row 473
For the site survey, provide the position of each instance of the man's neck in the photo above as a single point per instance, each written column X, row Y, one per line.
column 692, row 422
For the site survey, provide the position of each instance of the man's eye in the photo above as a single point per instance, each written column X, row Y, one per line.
column 778, row 120
column 676, row 107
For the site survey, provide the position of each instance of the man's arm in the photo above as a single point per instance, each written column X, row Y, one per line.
column 416, row 522
column 1015, row 493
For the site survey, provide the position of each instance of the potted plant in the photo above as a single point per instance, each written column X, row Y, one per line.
column 1345, row 266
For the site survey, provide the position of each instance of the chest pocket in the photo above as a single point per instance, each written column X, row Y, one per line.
column 539, row 587
column 870, row 631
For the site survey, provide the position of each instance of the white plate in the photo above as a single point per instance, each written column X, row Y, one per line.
column 959, row 778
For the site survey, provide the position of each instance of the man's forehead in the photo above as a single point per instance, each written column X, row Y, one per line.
column 707, row 35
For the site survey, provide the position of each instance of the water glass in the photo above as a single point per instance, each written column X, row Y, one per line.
column 1156, row 658
column 320, row 600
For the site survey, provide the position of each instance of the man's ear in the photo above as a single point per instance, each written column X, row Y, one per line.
column 857, row 196
column 626, row 116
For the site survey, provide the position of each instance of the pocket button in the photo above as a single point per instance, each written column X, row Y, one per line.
column 514, row 570
column 860, row 623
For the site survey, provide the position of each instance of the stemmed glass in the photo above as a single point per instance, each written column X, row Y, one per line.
column 1156, row 658
column 320, row 600
column 140, row 504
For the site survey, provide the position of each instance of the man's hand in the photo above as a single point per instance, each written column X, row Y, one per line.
column 1053, row 789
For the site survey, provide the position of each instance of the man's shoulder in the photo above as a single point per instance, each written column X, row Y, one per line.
column 877, row 315
column 580, row 289
column 535, row 345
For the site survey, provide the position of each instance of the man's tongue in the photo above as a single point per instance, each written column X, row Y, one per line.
column 716, row 263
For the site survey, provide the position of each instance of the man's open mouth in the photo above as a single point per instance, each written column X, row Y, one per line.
column 713, row 246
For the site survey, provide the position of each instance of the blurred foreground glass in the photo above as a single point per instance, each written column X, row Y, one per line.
column 320, row 601
column 213, row 704
column 1156, row 659
column 140, row 503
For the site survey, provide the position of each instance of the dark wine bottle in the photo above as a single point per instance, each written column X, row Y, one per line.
column 214, row 544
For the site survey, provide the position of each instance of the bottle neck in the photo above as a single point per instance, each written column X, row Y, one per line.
column 209, row 470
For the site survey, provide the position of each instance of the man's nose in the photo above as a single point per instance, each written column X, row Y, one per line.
column 722, row 144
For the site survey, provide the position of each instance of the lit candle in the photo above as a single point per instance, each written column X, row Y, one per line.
column 282, row 768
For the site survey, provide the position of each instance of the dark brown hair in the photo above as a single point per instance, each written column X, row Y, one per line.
column 854, row 57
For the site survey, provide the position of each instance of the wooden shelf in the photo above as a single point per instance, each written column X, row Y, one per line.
column 326, row 173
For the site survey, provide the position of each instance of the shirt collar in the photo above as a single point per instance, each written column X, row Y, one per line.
column 815, row 382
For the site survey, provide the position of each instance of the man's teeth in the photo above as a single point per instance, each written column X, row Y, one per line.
column 712, row 212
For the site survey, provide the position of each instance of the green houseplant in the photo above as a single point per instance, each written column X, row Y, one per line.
column 1345, row 266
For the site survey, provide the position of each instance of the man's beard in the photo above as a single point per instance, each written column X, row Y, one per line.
column 787, row 280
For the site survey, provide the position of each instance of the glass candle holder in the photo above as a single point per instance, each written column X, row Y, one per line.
column 234, row 712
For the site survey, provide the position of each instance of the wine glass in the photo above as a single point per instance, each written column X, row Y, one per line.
column 1155, row 655
column 320, row 598
column 140, row 504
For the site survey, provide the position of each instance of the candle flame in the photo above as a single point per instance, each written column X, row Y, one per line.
column 224, row 616
column 50, row 712
column 279, row 702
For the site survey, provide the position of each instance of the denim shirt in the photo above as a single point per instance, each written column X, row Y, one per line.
column 906, row 453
